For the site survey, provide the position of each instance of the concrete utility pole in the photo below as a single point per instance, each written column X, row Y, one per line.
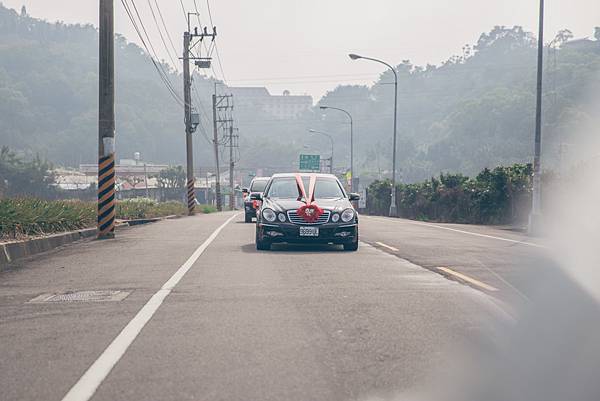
column 187, row 98
column 106, row 123
column 536, row 200
column 191, row 120
column 231, row 166
column 216, row 150
column 222, row 107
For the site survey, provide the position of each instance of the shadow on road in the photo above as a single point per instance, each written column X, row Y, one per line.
column 294, row 248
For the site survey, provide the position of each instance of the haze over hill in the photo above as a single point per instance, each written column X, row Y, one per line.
column 471, row 112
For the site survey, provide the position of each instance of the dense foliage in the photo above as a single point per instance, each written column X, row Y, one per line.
column 497, row 196
column 474, row 110
column 19, row 177
column 141, row 208
column 24, row 217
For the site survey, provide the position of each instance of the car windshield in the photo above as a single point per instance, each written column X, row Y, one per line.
column 286, row 188
column 258, row 185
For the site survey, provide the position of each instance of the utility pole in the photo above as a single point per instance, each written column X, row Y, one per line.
column 191, row 119
column 231, row 166
column 216, row 150
column 187, row 98
column 536, row 201
column 222, row 107
column 106, row 123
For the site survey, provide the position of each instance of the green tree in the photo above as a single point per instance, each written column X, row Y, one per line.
column 171, row 182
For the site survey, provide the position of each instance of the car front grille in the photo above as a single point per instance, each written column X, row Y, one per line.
column 294, row 218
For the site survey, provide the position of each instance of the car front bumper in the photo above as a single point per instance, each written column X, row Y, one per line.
column 342, row 233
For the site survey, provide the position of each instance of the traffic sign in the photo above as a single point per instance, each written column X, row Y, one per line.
column 310, row 162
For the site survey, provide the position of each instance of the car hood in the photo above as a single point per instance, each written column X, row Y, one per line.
column 282, row 205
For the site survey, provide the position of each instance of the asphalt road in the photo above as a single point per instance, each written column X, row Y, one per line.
column 209, row 318
column 504, row 263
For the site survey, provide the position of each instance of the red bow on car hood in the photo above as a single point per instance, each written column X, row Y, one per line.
column 309, row 212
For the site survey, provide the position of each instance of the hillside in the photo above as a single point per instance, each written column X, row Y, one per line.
column 475, row 110
column 48, row 94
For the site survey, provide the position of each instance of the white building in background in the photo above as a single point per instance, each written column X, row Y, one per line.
column 283, row 106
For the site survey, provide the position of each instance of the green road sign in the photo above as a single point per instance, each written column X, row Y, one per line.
column 310, row 163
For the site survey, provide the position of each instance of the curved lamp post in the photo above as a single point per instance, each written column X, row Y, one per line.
column 351, row 142
column 312, row 131
column 393, row 209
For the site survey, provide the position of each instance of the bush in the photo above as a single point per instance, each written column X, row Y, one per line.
column 493, row 197
column 23, row 217
column 207, row 209
column 143, row 208
column 28, row 217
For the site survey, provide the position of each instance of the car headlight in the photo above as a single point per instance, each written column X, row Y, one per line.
column 269, row 215
column 281, row 217
column 347, row 215
column 335, row 217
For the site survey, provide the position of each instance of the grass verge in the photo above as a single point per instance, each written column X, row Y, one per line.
column 22, row 218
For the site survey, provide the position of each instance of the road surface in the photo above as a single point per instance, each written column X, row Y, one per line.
column 201, row 315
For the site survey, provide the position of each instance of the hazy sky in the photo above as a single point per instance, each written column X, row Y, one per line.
column 302, row 45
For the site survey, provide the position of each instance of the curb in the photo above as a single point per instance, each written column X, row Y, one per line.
column 12, row 251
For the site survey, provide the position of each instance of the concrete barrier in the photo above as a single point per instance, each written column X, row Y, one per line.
column 11, row 251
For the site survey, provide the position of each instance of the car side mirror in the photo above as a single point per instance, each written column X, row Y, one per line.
column 354, row 197
column 256, row 196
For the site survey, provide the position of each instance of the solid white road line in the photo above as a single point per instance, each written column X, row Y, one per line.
column 462, row 231
column 468, row 279
column 391, row 248
column 87, row 385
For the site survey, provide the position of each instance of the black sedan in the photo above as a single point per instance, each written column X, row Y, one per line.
column 308, row 209
column 257, row 185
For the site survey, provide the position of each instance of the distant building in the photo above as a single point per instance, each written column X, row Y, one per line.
column 582, row 44
column 280, row 106
column 126, row 168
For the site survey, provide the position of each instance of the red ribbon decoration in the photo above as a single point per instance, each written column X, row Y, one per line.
column 310, row 212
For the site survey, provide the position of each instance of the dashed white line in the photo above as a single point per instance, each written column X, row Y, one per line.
column 468, row 279
column 463, row 232
column 391, row 248
column 87, row 385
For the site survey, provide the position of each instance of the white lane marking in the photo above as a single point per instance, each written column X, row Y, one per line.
column 464, row 232
column 468, row 279
column 87, row 385
column 391, row 248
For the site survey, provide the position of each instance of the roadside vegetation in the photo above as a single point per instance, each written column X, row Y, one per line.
column 26, row 217
column 498, row 196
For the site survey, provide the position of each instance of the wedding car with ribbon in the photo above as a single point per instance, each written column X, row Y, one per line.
column 306, row 208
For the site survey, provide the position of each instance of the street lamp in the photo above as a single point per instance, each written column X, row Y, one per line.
column 393, row 209
column 536, row 198
column 312, row 131
column 351, row 143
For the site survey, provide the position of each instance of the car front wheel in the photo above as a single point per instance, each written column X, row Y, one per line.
column 261, row 245
column 352, row 246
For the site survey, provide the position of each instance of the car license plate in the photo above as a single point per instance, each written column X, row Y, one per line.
column 309, row 231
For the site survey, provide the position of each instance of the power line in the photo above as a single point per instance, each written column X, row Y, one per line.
column 216, row 47
column 166, row 30
column 207, row 49
column 162, row 38
column 184, row 11
column 158, row 68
